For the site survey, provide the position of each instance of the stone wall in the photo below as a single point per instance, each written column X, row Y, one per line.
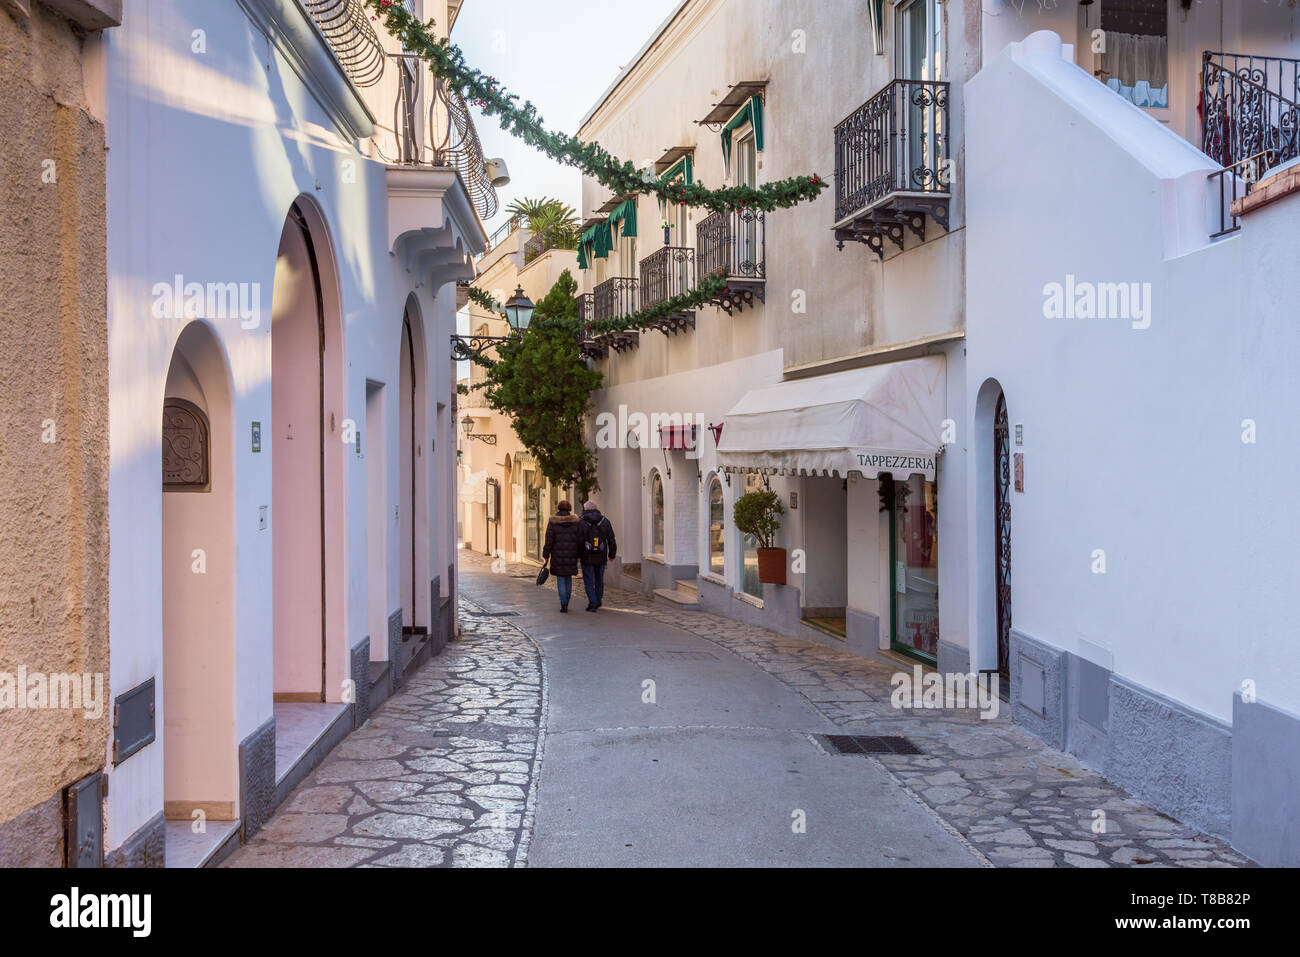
column 53, row 419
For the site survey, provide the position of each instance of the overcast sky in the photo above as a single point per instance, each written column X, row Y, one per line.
column 561, row 54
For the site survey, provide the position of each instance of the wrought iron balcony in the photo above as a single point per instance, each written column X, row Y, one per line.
column 346, row 26
column 1251, row 108
column 1251, row 122
column 613, row 299
column 734, row 245
column 448, row 138
column 892, row 165
column 666, row 274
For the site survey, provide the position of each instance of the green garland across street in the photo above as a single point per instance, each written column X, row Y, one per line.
column 622, row 178
column 709, row 288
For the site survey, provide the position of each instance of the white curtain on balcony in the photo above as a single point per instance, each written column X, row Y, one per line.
column 1137, row 68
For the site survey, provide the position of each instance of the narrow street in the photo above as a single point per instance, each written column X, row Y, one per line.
column 648, row 736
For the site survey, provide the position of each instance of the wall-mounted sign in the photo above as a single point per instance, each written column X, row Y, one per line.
column 794, row 500
column 1020, row 434
column 257, row 436
column 1020, row 471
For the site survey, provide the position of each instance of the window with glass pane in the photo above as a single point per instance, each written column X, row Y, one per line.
column 717, row 527
column 916, row 567
column 1135, row 60
column 920, row 57
column 749, row 582
column 657, row 513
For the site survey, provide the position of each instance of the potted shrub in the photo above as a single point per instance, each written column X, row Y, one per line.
column 755, row 513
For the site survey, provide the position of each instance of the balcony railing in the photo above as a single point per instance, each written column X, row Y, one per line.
column 448, row 139
column 503, row 232
column 733, row 244
column 1251, row 109
column 346, row 27
column 615, row 298
column 586, row 308
column 892, row 156
column 667, row 273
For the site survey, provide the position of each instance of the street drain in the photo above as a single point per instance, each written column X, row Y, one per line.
column 681, row 655
column 863, row 744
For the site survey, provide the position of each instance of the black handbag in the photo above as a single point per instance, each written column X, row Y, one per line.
column 543, row 575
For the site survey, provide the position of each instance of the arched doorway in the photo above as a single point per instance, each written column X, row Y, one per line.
column 308, row 458
column 414, row 492
column 200, row 753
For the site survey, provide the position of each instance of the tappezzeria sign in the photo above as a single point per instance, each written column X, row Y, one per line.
column 866, row 462
column 896, row 463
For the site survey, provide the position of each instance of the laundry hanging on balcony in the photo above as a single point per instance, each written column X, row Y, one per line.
column 885, row 418
column 751, row 113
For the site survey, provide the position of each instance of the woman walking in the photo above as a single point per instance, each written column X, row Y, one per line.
column 562, row 541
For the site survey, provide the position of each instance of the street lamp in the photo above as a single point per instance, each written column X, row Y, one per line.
column 467, row 424
column 519, row 311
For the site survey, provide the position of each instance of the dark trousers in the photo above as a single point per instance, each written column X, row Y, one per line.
column 564, row 585
column 593, row 579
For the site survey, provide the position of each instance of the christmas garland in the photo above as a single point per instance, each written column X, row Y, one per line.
column 709, row 289
column 480, row 298
column 622, row 178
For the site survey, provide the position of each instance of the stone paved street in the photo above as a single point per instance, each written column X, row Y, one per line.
column 680, row 737
column 442, row 774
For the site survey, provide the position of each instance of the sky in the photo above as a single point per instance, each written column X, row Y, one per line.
column 562, row 55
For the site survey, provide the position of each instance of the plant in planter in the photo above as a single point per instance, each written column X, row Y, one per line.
column 756, row 513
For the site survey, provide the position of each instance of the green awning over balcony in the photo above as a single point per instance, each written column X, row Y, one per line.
column 752, row 113
column 624, row 213
column 596, row 243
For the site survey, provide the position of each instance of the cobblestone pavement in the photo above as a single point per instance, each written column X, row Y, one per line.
column 442, row 774
column 1018, row 802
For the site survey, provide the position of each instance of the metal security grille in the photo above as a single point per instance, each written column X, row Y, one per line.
column 1002, row 485
column 867, row 744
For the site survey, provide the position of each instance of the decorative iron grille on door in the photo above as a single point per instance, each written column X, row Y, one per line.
column 185, row 452
column 1002, row 486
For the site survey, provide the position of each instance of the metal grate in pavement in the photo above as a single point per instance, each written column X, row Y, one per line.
column 681, row 655
column 867, row 744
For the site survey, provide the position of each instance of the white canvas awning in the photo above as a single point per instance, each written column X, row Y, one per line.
column 885, row 418
column 473, row 488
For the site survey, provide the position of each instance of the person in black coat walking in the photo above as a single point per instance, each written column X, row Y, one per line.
column 598, row 548
column 563, row 542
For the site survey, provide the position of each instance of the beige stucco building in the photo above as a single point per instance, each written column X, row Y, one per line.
column 505, row 500
column 53, row 425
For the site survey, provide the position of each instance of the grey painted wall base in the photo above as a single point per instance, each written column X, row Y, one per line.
column 953, row 659
column 147, row 847
column 257, row 778
column 1265, row 783
column 361, row 682
column 1175, row 758
column 395, row 650
column 446, row 625
column 863, row 631
column 35, row 837
column 655, row 575
column 339, row 729
column 1038, row 683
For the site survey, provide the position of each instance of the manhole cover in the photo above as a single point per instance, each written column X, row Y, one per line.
column 681, row 655
column 865, row 744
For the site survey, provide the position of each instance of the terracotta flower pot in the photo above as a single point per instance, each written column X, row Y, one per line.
column 771, row 566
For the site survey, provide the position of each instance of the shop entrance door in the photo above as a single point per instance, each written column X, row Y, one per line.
column 914, row 569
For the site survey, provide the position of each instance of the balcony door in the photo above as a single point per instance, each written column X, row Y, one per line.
column 920, row 60
column 744, row 246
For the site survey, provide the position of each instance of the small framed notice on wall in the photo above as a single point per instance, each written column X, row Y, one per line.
column 1020, row 471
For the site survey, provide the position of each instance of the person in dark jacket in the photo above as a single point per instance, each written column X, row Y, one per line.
column 563, row 543
column 597, row 547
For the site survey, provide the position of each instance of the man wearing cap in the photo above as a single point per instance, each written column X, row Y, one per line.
column 597, row 548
